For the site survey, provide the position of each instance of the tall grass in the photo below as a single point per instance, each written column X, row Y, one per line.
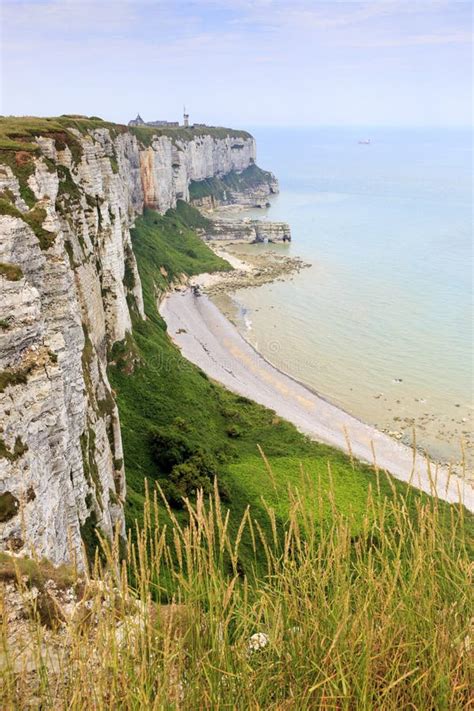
column 380, row 620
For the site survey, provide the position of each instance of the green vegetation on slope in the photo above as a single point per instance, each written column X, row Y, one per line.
column 17, row 132
column 219, row 187
column 145, row 134
column 34, row 218
column 164, row 398
column 380, row 621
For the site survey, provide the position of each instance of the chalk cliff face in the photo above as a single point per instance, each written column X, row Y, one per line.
column 252, row 231
column 69, row 283
column 168, row 166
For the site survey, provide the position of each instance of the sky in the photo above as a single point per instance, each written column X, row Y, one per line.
column 240, row 62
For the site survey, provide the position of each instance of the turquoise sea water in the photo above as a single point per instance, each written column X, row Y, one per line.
column 381, row 323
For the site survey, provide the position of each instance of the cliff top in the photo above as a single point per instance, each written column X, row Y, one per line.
column 17, row 132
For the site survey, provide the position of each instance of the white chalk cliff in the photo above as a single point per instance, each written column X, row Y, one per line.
column 68, row 280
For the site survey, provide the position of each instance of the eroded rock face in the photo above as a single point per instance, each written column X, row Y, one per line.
column 252, row 231
column 56, row 400
column 69, row 281
column 168, row 166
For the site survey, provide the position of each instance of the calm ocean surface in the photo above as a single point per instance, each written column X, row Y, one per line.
column 381, row 323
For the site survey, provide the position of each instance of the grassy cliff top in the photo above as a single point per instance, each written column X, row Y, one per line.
column 17, row 132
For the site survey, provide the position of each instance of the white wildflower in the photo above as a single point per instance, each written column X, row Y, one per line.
column 257, row 641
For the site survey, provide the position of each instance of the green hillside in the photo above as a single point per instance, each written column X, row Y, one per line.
column 168, row 404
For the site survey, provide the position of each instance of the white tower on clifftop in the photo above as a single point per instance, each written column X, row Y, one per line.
column 185, row 118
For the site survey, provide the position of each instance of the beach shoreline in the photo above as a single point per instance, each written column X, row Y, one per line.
column 386, row 390
column 208, row 339
column 254, row 270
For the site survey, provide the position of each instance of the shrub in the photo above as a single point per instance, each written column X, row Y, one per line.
column 9, row 505
column 234, row 432
column 172, row 494
column 181, row 424
column 190, row 468
column 189, row 476
column 12, row 377
column 169, row 449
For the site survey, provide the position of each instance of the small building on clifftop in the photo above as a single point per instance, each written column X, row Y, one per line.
column 140, row 122
column 137, row 121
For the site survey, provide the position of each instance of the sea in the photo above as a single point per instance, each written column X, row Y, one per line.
column 380, row 323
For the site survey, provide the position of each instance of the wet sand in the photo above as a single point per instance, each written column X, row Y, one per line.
column 209, row 340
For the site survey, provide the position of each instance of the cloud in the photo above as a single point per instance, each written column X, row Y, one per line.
column 223, row 51
column 68, row 16
column 176, row 18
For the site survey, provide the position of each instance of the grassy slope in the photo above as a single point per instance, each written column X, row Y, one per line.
column 16, row 131
column 381, row 622
column 166, row 390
